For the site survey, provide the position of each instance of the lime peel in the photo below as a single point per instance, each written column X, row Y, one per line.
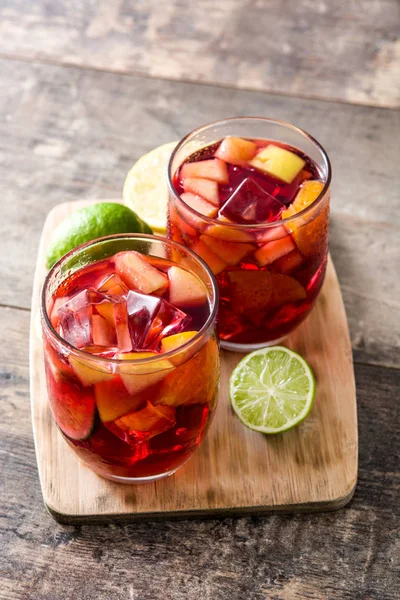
column 272, row 389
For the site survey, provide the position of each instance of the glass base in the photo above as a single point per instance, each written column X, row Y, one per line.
column 232, row 347
column 134, row 480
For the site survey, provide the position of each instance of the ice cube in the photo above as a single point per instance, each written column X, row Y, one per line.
column 152, row 318
column 75, row 320
column 142, row 310
column 250, row 203
column 113, row 285
column 84, row 322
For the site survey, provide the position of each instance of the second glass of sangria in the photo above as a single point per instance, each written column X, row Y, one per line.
column 250, row 196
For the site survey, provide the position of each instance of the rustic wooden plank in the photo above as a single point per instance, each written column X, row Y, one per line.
column 70, row 134
column 348, row 51
column 352, row 553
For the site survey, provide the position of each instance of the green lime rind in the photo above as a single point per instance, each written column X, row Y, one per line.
column 272, row 390
column 92, row 222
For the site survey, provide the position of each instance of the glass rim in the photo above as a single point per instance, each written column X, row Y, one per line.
column 246, row 226
column 141, row 361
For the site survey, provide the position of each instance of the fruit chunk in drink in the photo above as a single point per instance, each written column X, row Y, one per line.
column 127, row 398
column 237, row 205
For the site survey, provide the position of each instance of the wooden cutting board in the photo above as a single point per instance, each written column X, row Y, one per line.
column 236, row 470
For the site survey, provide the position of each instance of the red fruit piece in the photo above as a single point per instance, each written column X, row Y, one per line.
column 251, row 293
column 236, row 151
column 185, row 289
column 206, row 188
column 213, row 168
column 136, row 272
column 288, row 263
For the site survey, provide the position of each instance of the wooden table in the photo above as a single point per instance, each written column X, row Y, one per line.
column 87, row 87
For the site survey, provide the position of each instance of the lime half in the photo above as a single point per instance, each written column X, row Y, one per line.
column 145, row 188
column 272, row 389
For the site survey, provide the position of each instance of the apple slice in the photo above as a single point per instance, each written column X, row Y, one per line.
column 271, row 234
column 185, row 289
column 139, row 377
column 288, row 263
column 113, row 400
column 138, row 274
column 271, row 251
column 213, row 168
column 236, row 151
column 230, row 252
column 90, row 372
column 215, row 263
column 206, row 188
column 199, row 204
column 278, row 162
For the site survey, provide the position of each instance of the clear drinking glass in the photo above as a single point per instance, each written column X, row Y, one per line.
column 269, row 271
column 135, row 416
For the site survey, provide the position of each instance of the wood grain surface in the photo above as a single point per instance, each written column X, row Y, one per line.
column 348, row 51
column 313, row 467
column 68, row 133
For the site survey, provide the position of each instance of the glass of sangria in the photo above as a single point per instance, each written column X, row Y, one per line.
column 131, row 356
column 250, row 196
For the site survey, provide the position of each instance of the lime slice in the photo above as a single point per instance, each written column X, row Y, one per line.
column 272, row 389
column 90, row 223
column 145, row 188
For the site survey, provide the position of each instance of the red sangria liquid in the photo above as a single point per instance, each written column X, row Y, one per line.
column 269, row 276
column 128, row 405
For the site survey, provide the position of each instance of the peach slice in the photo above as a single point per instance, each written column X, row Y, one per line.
column 271, row 251
column 230, row 252
column 278, row 162
column 213, row 168
column 113, row 400
column 193, row 382
column 185, row 289
column 215, row 263
column 172, row 342
column 151, row 420
column 139, row 377
column 271, row 234
column 311, row 232
column 138, row 274
column 230, row 234
column 236, row 151
column 206, row 188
